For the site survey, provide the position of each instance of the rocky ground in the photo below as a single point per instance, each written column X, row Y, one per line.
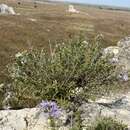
column 35, row 119
column 34, row 29
column 116, row 106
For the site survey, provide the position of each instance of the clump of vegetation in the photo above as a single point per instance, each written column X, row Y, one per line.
column 109, row 124
column 105, row 123
column 74, row 70
column 76, row 121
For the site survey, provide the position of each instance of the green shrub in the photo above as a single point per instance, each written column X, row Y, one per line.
column 104, row 123
column 71, row 70
column 109, row 124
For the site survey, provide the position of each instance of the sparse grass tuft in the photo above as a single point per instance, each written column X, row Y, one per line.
column 109, row 124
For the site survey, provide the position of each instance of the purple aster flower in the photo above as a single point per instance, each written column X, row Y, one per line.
column 51, row 108
column 55, row 112
column 44, row 104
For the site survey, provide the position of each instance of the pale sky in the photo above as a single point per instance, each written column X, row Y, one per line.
column 122, row 3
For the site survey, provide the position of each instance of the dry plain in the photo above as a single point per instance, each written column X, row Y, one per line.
column 35, row 27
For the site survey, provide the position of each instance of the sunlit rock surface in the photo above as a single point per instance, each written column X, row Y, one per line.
column 5, row 9
column 35, row 119
column 71, row 9
column 26, row 119
column 120, row 55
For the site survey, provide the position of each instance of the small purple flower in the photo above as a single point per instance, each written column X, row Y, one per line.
column 44, row 104
column 51, row 108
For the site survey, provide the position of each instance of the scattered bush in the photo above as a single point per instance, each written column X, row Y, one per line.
column 109, row 124
column 74, row 70
column 105, row 123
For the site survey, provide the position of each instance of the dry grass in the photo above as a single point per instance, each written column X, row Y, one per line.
column 53, row 23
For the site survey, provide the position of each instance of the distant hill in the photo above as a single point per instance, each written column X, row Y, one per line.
column 92, row 5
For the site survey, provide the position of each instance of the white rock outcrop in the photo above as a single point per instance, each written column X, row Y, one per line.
column 26, row 119
column 114, row 52
column 5, row 9
column 124, row 53
column 11, row 10
column 72, row 9
column 120, row 55
column 35, row 119
column 115, row 107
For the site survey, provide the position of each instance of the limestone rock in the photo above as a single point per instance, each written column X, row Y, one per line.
column 90, row 112
column 5, row 9
column 72, row 9
column 120, row 55
column 35, row 119
column 26, row 119
column 124, row 54
column 116, row 107
column 11, row 10
column 124, row 43
column 112, row 51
